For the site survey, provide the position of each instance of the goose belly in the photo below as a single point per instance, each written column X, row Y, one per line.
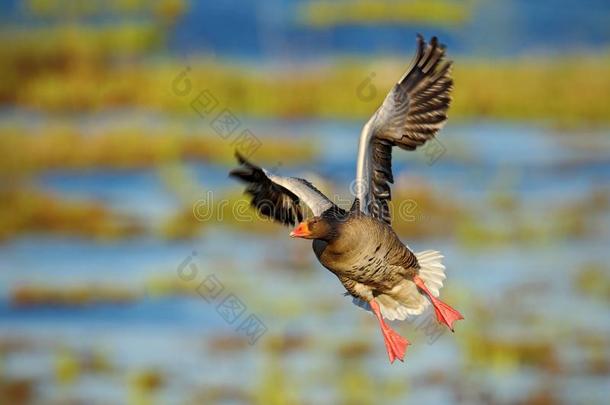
column 358, row 263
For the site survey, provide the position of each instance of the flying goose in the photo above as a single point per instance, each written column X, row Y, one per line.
column 359, row 246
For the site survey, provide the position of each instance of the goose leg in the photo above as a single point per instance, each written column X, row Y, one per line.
column 395, row 344
column 444, row 313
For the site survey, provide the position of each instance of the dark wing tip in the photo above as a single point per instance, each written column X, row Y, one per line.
column 269, row 198
column 421, row 46
column 240, row 158
column 245, row 171
column 434, row 42
column 240, row 173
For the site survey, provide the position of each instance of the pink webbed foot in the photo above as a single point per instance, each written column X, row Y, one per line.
column 444, row 313
column 395, row 344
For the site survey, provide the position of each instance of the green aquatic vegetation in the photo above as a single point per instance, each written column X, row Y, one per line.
column 355, row 385
column 421, row 212
column 85, row 50
column 510, row 221
column 354, row 349
column 226, row 343
column 65, row 146
column 579, row 218
column 354, row 382
column 593, row 279
column 286, row 343
column 143, row 386
column 326, row 14
column 181, row 225
column 233, row 210
column 67, row 367
column 26, row 210
column 71, row 364
column 221, row 394
column 38, row 295
column 275, row 386
column 148, row 380
column 161, row 9
column 595, row 346
column 500, row 337
column 169, row 286
column 540, row 354
column 73, row 68
column 534, row 88
column 475, row 234
column 482, row 350
column 509, row 82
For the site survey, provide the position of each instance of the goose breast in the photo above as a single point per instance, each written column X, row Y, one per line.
column 367, row 251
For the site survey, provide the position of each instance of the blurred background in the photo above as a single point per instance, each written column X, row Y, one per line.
column 132, row 272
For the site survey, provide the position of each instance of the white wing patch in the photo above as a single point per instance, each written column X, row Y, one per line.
column 311, row 196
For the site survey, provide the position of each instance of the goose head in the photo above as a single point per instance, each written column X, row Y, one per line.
column 315, row 228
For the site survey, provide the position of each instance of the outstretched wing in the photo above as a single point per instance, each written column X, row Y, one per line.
column 278, row 197
column 411, row 114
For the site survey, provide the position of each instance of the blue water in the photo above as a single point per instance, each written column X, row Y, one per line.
column 247, row 29
column 527, row 287
column 476, row 164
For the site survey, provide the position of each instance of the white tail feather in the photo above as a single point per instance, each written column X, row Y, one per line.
column 431, row 270
column 405, row 300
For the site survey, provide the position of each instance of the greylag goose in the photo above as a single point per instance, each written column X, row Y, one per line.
column 359, row 246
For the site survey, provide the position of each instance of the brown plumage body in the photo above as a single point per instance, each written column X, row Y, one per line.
column 366, row 255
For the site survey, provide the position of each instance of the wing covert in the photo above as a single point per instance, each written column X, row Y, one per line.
column 279, row 197
column 412, row 113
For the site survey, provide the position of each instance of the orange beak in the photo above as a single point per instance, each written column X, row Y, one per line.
column 301, row 231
